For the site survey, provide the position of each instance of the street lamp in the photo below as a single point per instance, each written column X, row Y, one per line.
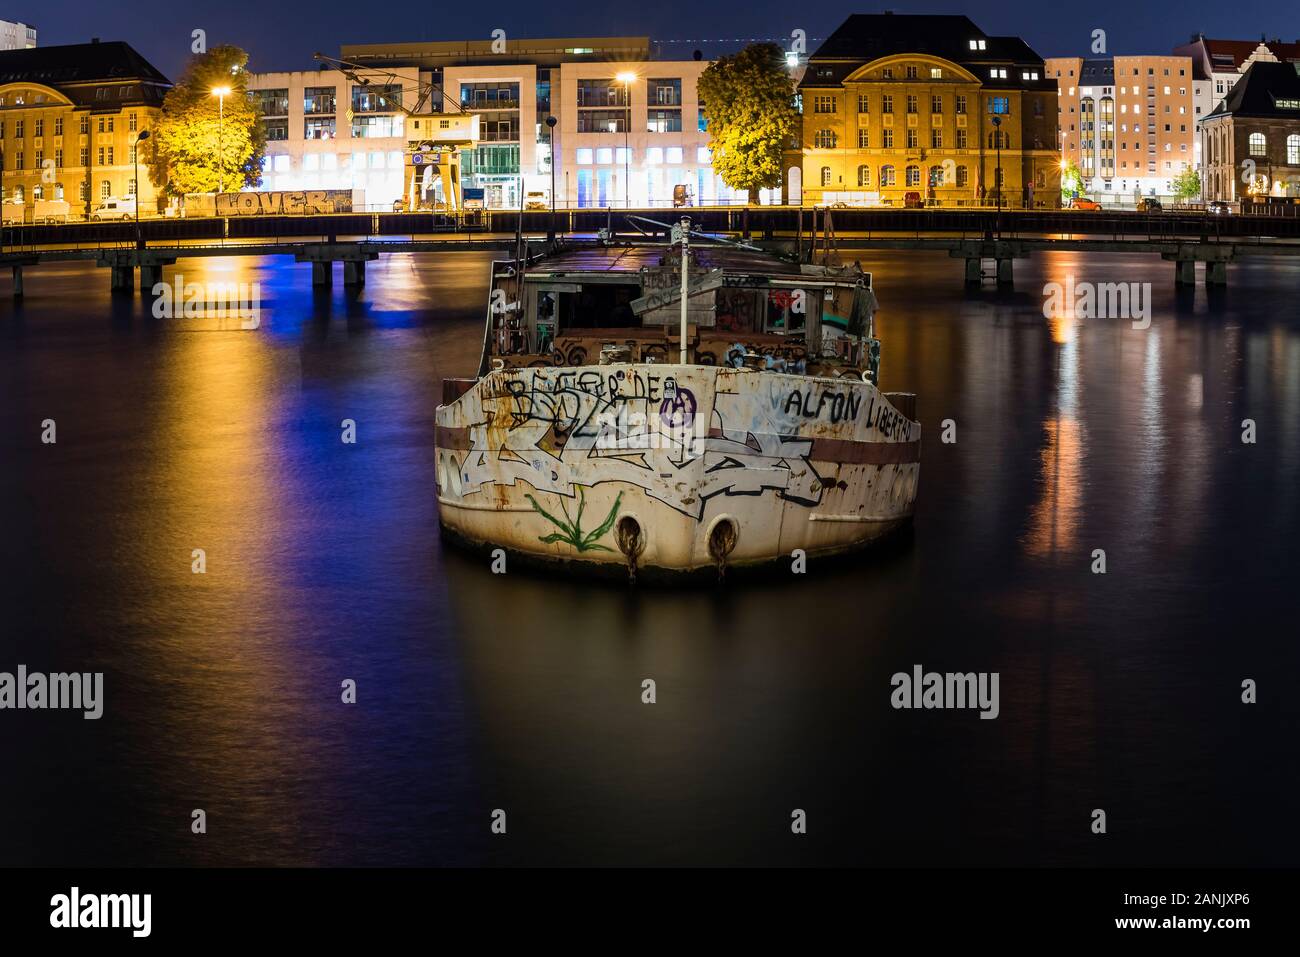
column 135, row 158
column 626, row 79
column 220, row 92
column 550, row 125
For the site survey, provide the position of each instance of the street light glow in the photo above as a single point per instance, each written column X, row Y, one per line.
column 221, row 91
column 626, row 77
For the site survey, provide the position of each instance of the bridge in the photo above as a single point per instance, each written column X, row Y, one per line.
column 974, row 236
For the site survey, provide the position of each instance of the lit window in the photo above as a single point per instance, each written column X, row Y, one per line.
column 583, row 157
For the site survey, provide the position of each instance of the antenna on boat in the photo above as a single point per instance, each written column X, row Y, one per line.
column 682, row 234
column 669, row 228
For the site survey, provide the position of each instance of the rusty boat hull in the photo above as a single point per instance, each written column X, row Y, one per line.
column 665, row 468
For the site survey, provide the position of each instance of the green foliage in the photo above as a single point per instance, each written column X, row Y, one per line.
column 1187, row 184
column 749, row 103
column 194, row 147
column 570, row 530
column 1071, row 180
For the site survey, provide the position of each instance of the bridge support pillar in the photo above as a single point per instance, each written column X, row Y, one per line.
column 150, row 276
column 121, row 279
column 1005, row 277
column 322, row 273
column 354, row 272
column 974, row 271
column 1216, row 273
column 1185, row 272
column 18, row 282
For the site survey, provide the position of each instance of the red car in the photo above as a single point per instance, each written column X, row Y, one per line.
column 1087, row 204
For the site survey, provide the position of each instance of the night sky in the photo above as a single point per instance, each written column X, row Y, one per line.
column 282, row 35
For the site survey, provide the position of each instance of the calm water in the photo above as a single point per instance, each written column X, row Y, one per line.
column 1118, row 691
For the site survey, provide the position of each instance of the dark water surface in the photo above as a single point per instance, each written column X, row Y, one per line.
column 1118, row 691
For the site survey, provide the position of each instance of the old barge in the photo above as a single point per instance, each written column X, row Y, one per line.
column 675, row 408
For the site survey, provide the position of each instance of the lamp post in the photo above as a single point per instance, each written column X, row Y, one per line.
column 135, row 158
column 550, row 125
column 997, row 142
column 220, row 92
column 626, row 79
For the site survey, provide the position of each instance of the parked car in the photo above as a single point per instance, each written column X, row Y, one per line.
column 1086, row 204
column 1217, row 207
column 912, row 200
column 1149, row 204
column 113, row 208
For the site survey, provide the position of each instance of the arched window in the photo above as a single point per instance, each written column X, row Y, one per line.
column 1293, row 149
column 936, row 176
column 85, row 190
column 19, row 196
column 105, row 189
column 886, row 176
column 864, row 175
column 914, row 176
column 1258, row 146
column 38, row 192
column 58, row 191
column 826, row 176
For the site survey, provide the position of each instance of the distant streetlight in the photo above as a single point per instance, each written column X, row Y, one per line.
column 997, row 141
column 627, row 79
column 220, row 92
column 550, row 125
column 135, row 158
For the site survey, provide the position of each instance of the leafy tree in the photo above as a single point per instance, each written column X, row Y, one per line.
column 197, row 145
column 749, row 105
column 1071, row 180
column 1187, row 184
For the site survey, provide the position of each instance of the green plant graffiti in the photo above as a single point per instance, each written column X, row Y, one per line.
column 570, row 530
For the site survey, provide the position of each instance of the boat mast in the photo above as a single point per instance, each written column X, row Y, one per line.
column 684, row 229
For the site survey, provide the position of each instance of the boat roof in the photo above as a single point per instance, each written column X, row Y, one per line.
column 631, row 259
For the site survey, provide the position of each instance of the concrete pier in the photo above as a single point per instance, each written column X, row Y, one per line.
column 18, row 282
column 322, row 273
column 354, row 272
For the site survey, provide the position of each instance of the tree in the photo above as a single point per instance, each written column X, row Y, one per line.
column 1071, row 180
column 749, row 107
column 1187, row 185
column 200, row 143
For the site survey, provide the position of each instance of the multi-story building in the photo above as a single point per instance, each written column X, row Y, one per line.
column 326, row 131
column 1128, row 122
column 628, row 127
column 69, row 120
column 1252, row 139
column 16, row 36
column 926, row 107
column 1217, row 65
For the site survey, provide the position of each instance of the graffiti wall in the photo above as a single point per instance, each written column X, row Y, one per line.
column 288, row 202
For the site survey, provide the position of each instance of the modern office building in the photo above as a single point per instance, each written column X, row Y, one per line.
column 69, row 119
column 1252, row 139
column 16, row 36
column 628, row 127
column 1128, row 122
column 925, row 108
column 326, row 131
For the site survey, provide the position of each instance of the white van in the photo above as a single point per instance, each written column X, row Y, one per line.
column 114, row 208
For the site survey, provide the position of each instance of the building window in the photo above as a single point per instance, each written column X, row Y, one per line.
column 887, row 103
column 663, row 121
column 377, row 98
column 274, row 102
column 824, row 140
column 936, row 73
column 1000, row 105
column 105, row 189
column 58, row 159
column 1293, row 149
column 85, row 156
column 887, row 139
column 19, row 128
column 936, row 103
column 602, row 121
column 914, row 176
column 1258, row 146
column 826, row 176
column 963, row 176
column 318, row 99
column 823, row 104
column 961, row 139
column 318, row 128
column 864, row 103
column 863, row 140
column 132, row 122
column 912, row 139
column 276, row 129
column 598, row 93
column 936, row 139
column 998, row 73
column 936, row 176
column 665, row 92
column 912, row 103
column 864, row 175
column 85, row 126
column 960, row 108
column 58, row 126
column 886, row 176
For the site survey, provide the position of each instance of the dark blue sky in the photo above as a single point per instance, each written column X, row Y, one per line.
column 282, row 35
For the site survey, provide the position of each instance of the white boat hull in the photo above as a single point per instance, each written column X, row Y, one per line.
column 673, row 468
